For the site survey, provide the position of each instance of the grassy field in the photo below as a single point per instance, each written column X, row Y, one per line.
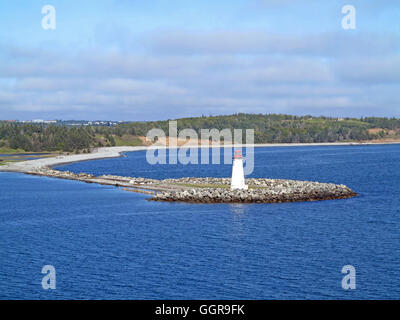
column 6, row 150
column 127, row 140
column 199, row 185
column 212, row 185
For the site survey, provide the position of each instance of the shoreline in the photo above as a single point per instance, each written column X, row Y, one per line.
column 115, row 152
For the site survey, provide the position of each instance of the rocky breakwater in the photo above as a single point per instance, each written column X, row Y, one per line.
column 213, row 190
column 129, row 183
column 209, row 190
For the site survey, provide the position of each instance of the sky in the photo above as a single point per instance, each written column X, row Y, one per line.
column 132, row 60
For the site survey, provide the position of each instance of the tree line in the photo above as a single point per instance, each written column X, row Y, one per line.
column 268, row 128
column 277, row 128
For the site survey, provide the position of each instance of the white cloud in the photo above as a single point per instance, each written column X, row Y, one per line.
column 184, row 74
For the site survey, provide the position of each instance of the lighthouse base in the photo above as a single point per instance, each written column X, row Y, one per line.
column 243, row 187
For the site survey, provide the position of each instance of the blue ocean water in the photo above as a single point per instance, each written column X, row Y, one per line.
column 106, row 243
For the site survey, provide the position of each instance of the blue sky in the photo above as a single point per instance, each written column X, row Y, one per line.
column 160, row 59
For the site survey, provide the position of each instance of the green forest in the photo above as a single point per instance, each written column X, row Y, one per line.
column 268, row 128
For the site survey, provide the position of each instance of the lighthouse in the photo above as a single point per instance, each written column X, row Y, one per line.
column 238, row 172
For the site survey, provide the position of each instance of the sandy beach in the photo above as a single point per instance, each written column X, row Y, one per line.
column 113, row 152
column 100, row 153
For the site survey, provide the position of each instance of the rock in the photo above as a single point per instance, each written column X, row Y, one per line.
column 267, row 191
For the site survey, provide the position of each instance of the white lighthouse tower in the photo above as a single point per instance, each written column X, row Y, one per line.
column 238, row 172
